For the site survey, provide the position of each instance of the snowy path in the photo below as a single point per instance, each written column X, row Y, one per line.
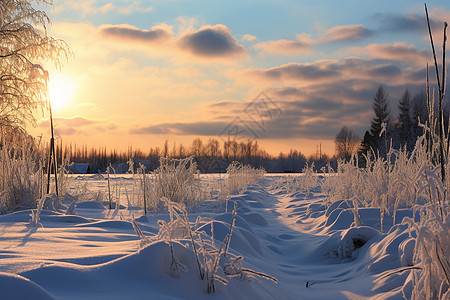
column 296, row 247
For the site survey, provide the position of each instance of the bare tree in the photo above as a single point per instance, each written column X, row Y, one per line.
column 197, row 148
column 24, row 41
column 346, row 143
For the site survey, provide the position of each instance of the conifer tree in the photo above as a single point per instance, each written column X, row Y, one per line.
column 404, row 118
column 382, row 115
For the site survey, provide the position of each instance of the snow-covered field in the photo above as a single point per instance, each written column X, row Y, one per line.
column 314, row 251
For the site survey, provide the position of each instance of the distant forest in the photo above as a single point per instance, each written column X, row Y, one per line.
column 211, row 157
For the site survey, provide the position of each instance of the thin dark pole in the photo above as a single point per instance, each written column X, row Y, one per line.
column 52, row 154
column 52, row 149
column 440, row 115
column 49, row 165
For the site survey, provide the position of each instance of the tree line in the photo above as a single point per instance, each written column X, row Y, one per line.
column 388, row 131
column 212, row 156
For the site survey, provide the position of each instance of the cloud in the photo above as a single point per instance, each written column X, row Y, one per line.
column 248, row 38
column 414, row 22
column 134, row 7
column 402, row 23
column 209, row 83
column 212, row 41
column 401, row 52
column 77, row 121
column 134, row 34
column 384, row 71
column 210, row 128
column 311, row 112
column 224, row 109
column 209, row 43
column 346, row 33
column 302, row 44
column 329, row 71
column 306, row 119
column 321, row 70
column 316, row 110
column 91, row 7
column 77, row 126
column 86, row 7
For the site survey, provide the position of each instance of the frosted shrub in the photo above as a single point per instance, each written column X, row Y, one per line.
column 388, row 184
column 71, row 209
column 207, row 253
column 308, row 181
column 35, row 214
column 142, row 238
column 177, row 180
column 132, row 195
column 405, row 180
column 82, row 192
column 286, row 183
column 21, row 175
column 64, row 180
column 303, row 183
column 114, row 186
column 240, row 176
column 431, row 255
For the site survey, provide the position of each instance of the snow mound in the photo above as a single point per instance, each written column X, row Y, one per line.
column 91, row 205
column 255, row 218
column 18, row 287
column 346, row 244
column 242, row 240
column 148, row 269
column 107, row 224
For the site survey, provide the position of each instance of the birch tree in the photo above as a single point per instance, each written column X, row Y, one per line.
column 24, row 43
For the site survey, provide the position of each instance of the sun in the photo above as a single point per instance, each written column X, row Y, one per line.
column 62, row 91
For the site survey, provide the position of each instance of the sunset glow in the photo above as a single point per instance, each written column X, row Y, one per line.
column 145, row 73
column 62, row 92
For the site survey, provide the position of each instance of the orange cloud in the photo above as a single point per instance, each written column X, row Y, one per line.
column 91, row 7
column 345, row 33
column 329, row 71
column 77, row 125
column 301, row 45
column 133, row 34
column 401, row 52
column 248, row 38
column 301, row 72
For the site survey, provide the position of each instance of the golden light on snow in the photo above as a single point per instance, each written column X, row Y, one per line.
column 62, row 91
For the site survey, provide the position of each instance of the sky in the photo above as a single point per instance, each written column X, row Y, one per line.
column 288, row 74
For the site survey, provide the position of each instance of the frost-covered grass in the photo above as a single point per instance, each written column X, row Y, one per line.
column 21, row 175
column 300, row 183
column 387, row 184
column 177, row 180
column 431, row 256
column 240, row 176
column 408, row 181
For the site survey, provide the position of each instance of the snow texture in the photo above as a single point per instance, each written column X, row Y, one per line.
column 82, row 250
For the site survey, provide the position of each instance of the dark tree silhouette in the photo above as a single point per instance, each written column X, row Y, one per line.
column 382, row 116
column 346, row 143
column 404, row 120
